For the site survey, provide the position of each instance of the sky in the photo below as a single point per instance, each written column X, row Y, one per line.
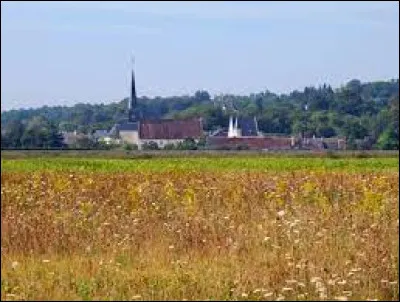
column 63, row 53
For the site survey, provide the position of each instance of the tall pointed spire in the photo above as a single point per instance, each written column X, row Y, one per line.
column 132, row 99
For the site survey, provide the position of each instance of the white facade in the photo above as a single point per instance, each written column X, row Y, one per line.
column 130, row 136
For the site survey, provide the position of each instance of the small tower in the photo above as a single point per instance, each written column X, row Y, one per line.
column 236, row 131
column 256, row 125
column 230, row 130
column 233, row 130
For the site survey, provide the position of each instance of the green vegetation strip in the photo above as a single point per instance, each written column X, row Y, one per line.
column 223, row 163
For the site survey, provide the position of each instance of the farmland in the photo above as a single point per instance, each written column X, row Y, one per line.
column 227, row 228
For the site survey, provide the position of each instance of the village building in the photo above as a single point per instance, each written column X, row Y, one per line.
column 136, row 130
column 73, row 138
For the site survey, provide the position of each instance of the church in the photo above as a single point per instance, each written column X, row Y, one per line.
column 139, row 131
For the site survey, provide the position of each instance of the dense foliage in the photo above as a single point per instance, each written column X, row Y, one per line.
column 367, row 114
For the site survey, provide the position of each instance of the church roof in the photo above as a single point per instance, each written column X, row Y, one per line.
column 129, row 126
column 100, row 133
column 248, row 126
column 170, row 129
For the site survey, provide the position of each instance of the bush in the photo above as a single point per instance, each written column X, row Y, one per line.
column 388, row 140
column 150, row 146
column 169, row 146
column 129, row 147
column 187, row 144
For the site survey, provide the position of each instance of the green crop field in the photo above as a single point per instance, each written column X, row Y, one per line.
column 223, row 163
column 205, row 227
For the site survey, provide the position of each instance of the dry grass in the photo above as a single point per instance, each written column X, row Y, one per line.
column 200, row 235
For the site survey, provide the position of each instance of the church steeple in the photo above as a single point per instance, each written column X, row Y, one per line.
column 132, row 103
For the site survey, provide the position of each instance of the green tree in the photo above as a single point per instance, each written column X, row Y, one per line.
column 352, row 128
column 13, row 132
column 187, row 144
column 388, row 140
column 394, row 113
column 5, row 142
column 66, row 126
column 41, row 133
column 202, row 95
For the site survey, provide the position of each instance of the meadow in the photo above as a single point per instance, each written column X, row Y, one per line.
column 204, row 228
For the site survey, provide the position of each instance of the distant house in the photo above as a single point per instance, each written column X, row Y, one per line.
column 98, row 134
column 72, row 138
column 162, row 132
column 105, row 136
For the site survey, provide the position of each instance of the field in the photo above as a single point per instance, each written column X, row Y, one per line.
column 197, row 228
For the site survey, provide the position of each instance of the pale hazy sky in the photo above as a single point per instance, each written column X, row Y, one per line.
column 62, row 53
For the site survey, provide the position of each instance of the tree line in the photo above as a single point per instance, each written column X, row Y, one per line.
column 367, row 114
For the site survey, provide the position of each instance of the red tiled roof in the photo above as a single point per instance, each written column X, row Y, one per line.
column 170, row 129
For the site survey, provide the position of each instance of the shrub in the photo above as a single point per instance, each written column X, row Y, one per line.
column 150, row 146
column 129, row 147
